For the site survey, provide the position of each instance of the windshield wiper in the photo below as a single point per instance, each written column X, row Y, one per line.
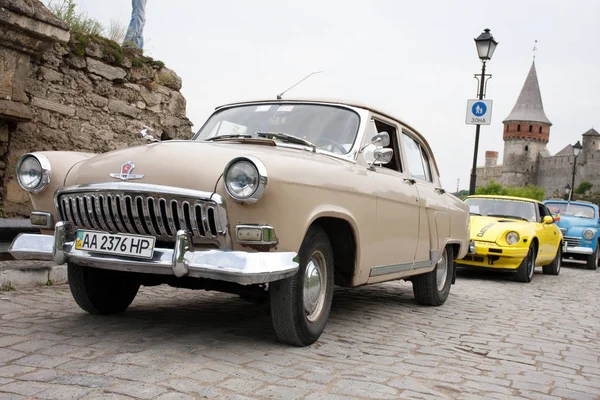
column 228, row 137
column 507, row 216
column 287, row 138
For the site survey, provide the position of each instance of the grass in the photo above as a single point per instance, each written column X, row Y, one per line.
column 86, row 30
column 7, row 287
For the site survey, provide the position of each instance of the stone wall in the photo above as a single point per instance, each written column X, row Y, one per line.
column 89, row 95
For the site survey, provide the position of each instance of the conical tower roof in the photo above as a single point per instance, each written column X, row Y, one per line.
column 529, row 105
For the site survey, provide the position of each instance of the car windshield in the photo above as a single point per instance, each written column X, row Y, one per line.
column 329, row 128
column 505, row 208
column 574, row 210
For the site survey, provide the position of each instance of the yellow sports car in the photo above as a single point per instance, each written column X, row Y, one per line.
column 512, row 234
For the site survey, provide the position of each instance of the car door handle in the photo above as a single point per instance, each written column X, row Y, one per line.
column 410, row 180
column 440, row 190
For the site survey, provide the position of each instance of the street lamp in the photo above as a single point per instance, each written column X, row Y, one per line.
column 576, row 152
column 567, row 191
column 486, row 45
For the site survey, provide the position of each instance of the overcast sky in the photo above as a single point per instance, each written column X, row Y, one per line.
column 415, row 59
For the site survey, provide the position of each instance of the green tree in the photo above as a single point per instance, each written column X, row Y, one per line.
column 583, row 187
column 530, row 191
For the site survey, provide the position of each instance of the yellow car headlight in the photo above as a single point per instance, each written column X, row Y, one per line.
column 512, row 237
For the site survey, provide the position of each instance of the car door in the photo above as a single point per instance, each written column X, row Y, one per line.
column 434, row 213
column 397, row 211
column 548, row 235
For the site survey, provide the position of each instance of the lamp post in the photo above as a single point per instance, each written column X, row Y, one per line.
column 486, row 45
column 576, row 151
column 567, row 192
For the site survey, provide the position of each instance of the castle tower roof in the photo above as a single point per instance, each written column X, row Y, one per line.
column 591, row 132
column 529, row 105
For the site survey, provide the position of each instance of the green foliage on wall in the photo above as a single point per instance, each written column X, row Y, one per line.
column 529, row 191
column 583, row 187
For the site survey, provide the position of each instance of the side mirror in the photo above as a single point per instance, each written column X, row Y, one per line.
column 382, row 139
column 548, row 220
column 382, row 156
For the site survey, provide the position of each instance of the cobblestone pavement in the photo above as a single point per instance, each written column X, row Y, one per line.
column 493, row 338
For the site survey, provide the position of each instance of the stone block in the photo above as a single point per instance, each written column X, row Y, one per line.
column 94, row 50
column 50, row 75
column 15, row 111
column 96, row 100
column 168, row 78
column 121, row 107
column 104, row 70
column 149, row 97
column 53, row 106
column 76, row 62
column 177, row 105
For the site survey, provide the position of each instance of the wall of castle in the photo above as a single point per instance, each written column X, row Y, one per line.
column 520, row 163
column 487, row 174
column 93, row 100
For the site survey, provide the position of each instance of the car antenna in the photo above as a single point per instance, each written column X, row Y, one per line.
column 297, row 83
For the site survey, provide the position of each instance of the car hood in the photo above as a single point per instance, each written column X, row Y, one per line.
column 185, row 164
column 489, row 229
column 567, row 222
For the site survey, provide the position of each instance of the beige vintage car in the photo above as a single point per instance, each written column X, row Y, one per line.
column 285, row 196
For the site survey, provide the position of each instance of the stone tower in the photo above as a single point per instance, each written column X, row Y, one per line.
column 526, row 133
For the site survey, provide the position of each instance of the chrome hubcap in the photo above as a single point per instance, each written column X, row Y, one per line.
column 441, row 272
column 315, row 286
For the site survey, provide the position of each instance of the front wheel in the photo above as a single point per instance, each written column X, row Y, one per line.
column 433, row 288
column 554, row 267
column 300, row 304
column 592, row 260
column 100, row 291
column 525, row 270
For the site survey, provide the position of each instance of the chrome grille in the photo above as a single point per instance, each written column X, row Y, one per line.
column 145, row 213
column 573, row 241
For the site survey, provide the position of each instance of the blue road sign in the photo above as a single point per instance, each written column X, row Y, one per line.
column 479, row 109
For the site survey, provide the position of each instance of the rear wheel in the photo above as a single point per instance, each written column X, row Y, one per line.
column 300, row 304
column 433, row 288
column 100, row 291
column 592, row 260
column 525, row 270
column 554, row 267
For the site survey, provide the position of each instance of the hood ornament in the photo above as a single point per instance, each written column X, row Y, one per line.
column 125, row 173
column 147, row 136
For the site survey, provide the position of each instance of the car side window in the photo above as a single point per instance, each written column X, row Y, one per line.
column 416, row 158
column 543, row 212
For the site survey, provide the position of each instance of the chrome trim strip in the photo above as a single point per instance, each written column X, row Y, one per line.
column 395, row 268
column 157, row 190
column 232, row 266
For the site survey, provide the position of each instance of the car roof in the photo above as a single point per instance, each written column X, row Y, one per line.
column 579, row 203
column 494, row 196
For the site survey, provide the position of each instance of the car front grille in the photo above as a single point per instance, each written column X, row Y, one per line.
column 145, row 212
column 573, row 241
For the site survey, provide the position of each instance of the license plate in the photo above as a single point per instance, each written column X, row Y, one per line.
column 125, row 245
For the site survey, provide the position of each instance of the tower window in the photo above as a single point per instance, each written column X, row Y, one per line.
column 530, row 128
column 526, row 148
column 518, row 128
column 540, row 132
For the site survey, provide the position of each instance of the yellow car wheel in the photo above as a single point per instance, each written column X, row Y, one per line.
column 525, row 270
column 554, row 267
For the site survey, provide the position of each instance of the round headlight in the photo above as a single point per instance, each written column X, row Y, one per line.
column 245, row 179
column 512, row 237
column 588, row 234
column 33, row 172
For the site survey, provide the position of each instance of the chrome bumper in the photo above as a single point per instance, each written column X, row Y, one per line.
column 579, row 250
column 232, row 266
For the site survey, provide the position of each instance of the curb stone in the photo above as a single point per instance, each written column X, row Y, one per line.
column 21, row 274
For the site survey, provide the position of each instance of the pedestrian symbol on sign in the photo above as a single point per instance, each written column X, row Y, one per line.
column 479, row 108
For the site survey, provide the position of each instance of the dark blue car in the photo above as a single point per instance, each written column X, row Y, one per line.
column 580, row 226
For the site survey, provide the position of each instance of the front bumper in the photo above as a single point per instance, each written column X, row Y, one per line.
column 578, row 250
column 490, row 255
column 232, row 266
